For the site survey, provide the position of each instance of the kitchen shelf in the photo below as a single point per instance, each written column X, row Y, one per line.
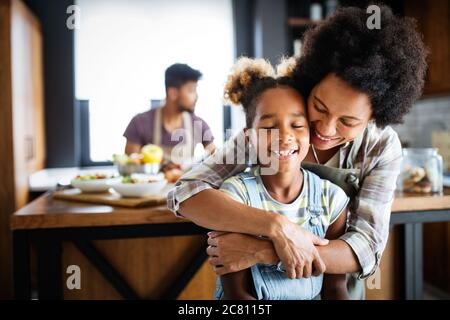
column 302, row 22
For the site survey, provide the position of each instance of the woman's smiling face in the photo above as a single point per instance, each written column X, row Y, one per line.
column 337, row 113
column 282, row 109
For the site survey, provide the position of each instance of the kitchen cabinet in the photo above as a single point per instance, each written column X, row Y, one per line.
column 433, row 21
column 28, row 102
column 22, row 117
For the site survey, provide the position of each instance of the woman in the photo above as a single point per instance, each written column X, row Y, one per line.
column 357, row 82
column 270, row 101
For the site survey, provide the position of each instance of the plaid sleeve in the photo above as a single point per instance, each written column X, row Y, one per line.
column 211, row 173
column 368, row 225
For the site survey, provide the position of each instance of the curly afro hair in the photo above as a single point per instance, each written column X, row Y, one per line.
column 387, row 64
column 250, row 78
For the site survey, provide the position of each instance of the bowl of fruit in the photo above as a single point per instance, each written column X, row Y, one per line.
column 148, row 161
column 93, row 182
column 139, row 185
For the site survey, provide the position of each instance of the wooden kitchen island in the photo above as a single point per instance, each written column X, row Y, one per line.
column 132, row 253
column 148, row 253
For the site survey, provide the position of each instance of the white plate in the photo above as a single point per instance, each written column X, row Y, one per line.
column 91, row 186
column 138, row 190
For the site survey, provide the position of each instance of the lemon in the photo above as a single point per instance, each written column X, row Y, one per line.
column 152, row 153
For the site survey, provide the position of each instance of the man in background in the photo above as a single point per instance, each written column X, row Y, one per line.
column 158, row 126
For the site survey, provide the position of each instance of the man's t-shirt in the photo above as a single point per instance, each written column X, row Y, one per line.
column 140, row 131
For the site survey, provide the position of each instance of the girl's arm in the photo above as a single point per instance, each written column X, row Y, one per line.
column 335, row 285
column 339, row 257
column 238, row 285
column 292, row 243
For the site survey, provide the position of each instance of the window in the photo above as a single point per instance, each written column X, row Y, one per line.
column 122, row 49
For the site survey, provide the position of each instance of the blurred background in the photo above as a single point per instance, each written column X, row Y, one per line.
column 74, row 73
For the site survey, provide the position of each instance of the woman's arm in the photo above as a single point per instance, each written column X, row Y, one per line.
column 294, row 245
column 230, row 252
column 236, row 251
column 368, row 225
column 215, row 210
column 201, row 202
column 194, row 197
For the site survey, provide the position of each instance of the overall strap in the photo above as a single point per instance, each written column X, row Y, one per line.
column 188, row 133
column 314, row 194
column 249, row 181
column 157, row 127
column 315, row 207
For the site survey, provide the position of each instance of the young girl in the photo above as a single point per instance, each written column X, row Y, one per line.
column 271, row 104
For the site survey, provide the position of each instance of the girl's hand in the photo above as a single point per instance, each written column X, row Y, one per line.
column 295, row 247
column 232, row 252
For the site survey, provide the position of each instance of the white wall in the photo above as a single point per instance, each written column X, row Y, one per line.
column 426, row 116
column 123, row 48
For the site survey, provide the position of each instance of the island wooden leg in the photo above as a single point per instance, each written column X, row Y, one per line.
column 49, row 268
column 413, row 261
column 21, row 265
column 181, row 282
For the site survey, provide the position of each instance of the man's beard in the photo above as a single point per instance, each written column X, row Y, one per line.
column 182, row 108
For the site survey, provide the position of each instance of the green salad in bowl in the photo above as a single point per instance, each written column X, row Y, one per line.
column 94, row 182
column 140, row 185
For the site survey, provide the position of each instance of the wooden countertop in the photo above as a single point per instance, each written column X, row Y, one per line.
column 419, row 202
column 46, row 212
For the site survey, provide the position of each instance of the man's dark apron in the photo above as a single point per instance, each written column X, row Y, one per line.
column 183, row 152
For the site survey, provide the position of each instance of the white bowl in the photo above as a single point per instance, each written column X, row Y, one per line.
column 146, row 176
column 91, row 186
column 138, row 190
column 129, row 169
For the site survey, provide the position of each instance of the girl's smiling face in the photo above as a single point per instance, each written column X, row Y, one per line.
column 281, row 113
column 337, row 113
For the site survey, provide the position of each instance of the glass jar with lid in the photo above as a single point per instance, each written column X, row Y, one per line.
column 422, row 171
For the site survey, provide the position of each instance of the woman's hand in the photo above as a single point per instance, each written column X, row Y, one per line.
column 295, row 247
column 232, row 252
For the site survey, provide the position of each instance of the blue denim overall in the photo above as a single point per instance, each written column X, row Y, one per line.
column 271, row 282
